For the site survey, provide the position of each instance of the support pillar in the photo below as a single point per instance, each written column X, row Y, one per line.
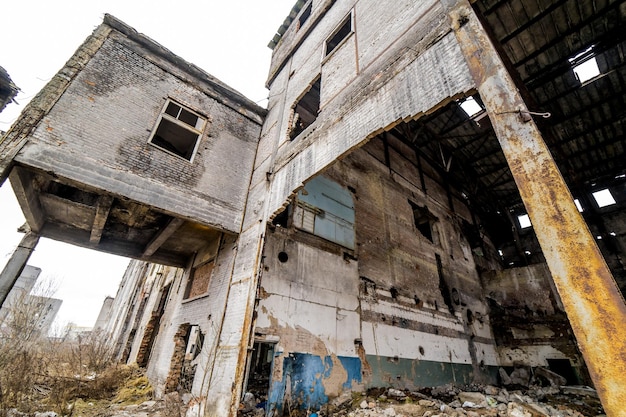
column 16, row 264
column 592, row 300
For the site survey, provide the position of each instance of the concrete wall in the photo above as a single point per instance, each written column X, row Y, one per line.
column 383, row 314
column 529, row 322
column 388, row 80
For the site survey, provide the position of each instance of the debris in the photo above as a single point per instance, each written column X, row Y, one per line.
column 580, row 390
column 554, row 379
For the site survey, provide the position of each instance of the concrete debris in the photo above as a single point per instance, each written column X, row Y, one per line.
column 519, row 377
column 553, row 378
column 450, row 401
column 580, row 390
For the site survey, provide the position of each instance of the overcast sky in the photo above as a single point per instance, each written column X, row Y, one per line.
column 228, row 39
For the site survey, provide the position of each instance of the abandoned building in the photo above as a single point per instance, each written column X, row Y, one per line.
column 436, row 190
column 22, row 304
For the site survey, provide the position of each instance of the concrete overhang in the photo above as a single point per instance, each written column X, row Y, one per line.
column 74, row 213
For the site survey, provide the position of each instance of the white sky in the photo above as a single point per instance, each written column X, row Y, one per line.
column 228, row 39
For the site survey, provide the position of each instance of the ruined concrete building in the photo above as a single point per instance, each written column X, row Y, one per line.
column 22, row 304
column 435, row 190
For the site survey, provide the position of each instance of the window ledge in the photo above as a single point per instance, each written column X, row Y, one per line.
column 196, row 298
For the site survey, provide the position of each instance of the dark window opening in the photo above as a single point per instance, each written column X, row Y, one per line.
column 424, row 221
column 306, row 109
column 564, row 368
column 337, row 37
column 306, row 13
column 178, row 131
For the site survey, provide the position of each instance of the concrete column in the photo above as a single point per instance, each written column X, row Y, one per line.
column 16, row 264
column 592, row 300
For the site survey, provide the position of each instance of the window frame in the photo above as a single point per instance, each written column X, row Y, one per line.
column 349, row 18
column 175, row 120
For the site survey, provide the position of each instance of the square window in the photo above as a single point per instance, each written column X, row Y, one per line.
column 585, row 65
column 470, row 106
column 604, row 198
column 178, row 130
column 524, row 221
column 342, row 32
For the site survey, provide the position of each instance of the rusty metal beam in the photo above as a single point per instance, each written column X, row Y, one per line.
column 592, row 300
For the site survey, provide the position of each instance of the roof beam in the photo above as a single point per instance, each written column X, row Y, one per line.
column 160, row 238
column 103, row 207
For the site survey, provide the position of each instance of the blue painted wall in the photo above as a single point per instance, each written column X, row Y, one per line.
column 303, row 376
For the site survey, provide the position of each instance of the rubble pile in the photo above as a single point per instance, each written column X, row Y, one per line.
column 471, row 401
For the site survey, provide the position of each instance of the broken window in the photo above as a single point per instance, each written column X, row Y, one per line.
column 584, row 65
column 341, row 33
column 304, row 16
column 604, row 198
column 424, row 221
column 326, row 209
column 306, row 109
column 178, row 130
column 199, row 278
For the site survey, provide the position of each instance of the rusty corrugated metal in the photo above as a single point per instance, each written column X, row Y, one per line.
column 593, row 302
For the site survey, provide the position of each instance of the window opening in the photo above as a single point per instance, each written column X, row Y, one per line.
column 604, row 198
column 306, row 109
column 199, row 278
column 470, row 106
column 345, row 29
column 178, row 130
column 424, row 221
column 326, row 209
column 524, row 221
column 195, row 340
column 258, row 377
column 304, row 16
column 585, row 65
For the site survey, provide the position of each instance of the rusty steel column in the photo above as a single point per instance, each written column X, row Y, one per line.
column 592, row 300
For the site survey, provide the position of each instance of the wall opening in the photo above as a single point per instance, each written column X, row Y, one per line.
column 306, row 109
column 424, row 221
column 338, row 36
column 259, row 375
column 564, row 368
column 326, row 209
column 178, row 130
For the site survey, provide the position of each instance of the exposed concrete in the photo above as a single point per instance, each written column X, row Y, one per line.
column 16, row 264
